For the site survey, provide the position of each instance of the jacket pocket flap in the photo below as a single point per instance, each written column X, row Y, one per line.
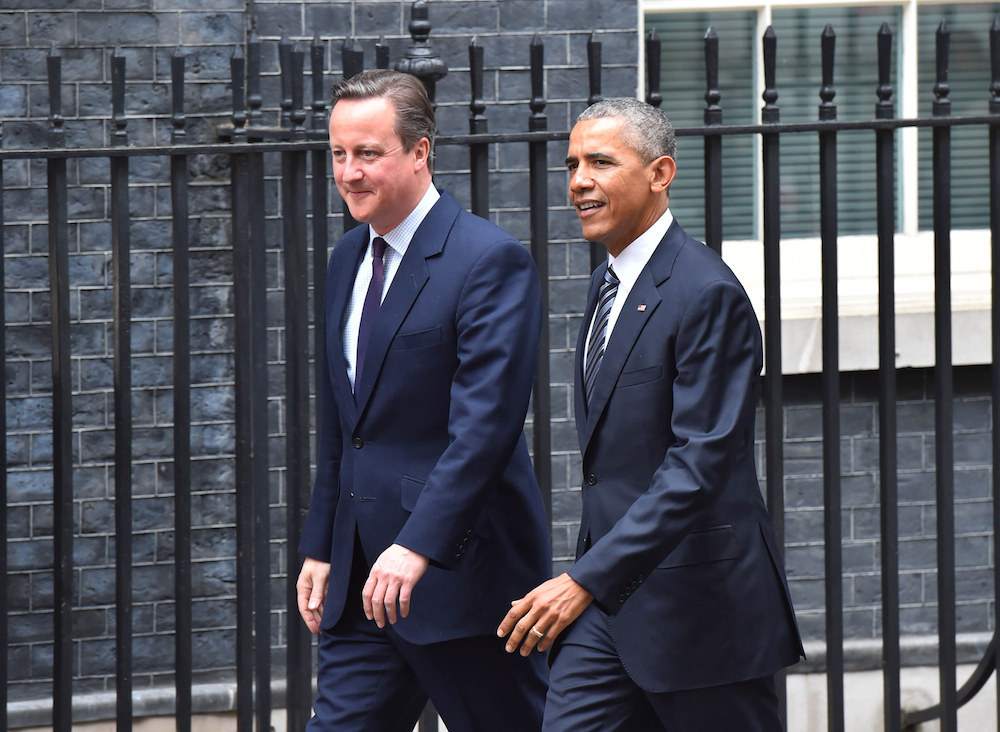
column 409, row 492
column 712, row 544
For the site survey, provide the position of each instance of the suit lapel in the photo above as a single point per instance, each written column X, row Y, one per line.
column 641, row 303
column 409, row 280
column 340, row 291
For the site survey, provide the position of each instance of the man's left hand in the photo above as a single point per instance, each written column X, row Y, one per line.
column 536, row 619
column 391, row 581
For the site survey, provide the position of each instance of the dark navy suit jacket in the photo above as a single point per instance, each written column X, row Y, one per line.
column 675, row 542
column 430, row 453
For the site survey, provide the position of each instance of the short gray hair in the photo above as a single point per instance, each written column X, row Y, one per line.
column 646, row 129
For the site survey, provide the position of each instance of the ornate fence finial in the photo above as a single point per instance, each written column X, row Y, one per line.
column 285, row 79
column 883, row 108
column 237, row 68
column 254, row 99
column 770, row 113
column 420, row 59
column 298, row 92
column 477, row 120
column 828, row 42
column 381, row 53
column 653, row 46
column 57, row 135
column 177, row 118
column 995, row 66
column 118, row 136
column 942, row 105
column 317, row 56
column 713, row 112
column 594, row 69
column 352, row 58
column 537, row 101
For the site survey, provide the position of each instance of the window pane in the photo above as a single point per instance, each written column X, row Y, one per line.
column 969, row 80
column 683, row 86
column 855, row 78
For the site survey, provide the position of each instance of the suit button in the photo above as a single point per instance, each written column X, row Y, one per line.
column 591, row 479
column 622, row 598
column 357, row 442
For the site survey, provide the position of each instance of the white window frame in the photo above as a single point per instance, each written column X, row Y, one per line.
column 801, row 311
column 906, row 97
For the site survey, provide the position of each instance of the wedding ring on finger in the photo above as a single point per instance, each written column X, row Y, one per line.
column 537, row 633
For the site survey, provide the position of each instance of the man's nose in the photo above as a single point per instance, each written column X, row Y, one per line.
column 580, row 179
column 352, row 168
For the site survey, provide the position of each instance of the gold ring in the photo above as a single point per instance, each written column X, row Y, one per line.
column 538, row 634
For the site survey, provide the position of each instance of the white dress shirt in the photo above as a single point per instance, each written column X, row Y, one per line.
column 627, row 265
column 397, row 242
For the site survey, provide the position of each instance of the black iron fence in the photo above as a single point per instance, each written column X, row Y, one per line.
column 291, row 157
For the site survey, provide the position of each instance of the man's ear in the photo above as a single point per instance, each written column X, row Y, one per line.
column 421, row 151
column 662, row 172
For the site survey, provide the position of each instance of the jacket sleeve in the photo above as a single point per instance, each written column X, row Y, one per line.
column 498, row 321
column 317, row 534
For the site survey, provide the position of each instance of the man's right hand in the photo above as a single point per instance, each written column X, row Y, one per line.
column 311, row 591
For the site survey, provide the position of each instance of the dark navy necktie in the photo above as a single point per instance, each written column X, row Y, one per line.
column 598, row 334
column 372, row 302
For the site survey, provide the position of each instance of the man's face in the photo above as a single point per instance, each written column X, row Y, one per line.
column 380, row 180
column 614, row 194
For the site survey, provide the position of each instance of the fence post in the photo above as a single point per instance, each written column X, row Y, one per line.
column 182, row 401
column 773, row 397
column 888, row 490
column 830, row 380
column 944, row 390
column 995, row 365
column 541, row 424
column 4, row 604
column 243, row 401
column 297, row 438
column 62, row 411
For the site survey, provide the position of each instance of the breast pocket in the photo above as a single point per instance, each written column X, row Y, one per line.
column 640, row 376
column 417, row 339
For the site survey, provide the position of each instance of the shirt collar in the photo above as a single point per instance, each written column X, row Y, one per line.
column 398, row 239
column 630, row 261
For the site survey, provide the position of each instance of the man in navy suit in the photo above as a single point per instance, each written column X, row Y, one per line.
column 425, row 517
column 676, row 613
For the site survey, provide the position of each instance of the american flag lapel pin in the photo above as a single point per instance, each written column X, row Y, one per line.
column 642, row 308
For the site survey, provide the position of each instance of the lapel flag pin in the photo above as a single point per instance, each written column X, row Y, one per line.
column 642, row 308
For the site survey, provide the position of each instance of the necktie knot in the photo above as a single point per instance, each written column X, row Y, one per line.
column 378, row 247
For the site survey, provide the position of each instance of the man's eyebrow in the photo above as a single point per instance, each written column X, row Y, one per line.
column 589, row 156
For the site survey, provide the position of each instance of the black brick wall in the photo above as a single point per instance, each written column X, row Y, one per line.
column 86, row 32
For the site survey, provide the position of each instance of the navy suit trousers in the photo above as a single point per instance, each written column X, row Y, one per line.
column 371, row 680
column 592, row 692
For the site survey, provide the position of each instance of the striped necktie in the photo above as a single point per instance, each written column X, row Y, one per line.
column 598, row 334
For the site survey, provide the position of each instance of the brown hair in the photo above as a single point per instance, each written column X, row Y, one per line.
column 414, row 112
